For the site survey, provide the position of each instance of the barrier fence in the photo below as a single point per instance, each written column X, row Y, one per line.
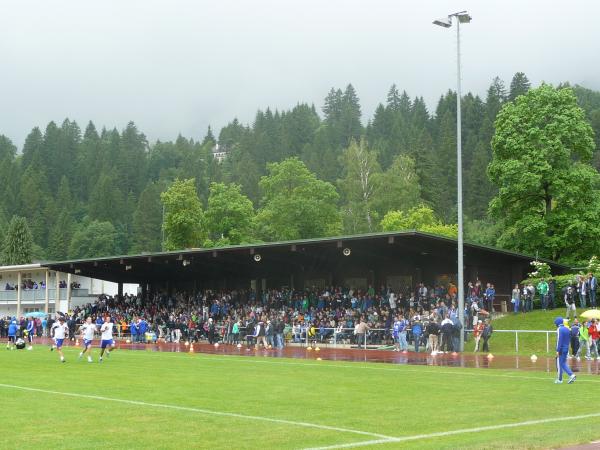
column 524, row 340
column 504, row 340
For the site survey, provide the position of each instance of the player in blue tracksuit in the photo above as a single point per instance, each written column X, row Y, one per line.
column 12, row 335
column 563, row 339
column 30, row 332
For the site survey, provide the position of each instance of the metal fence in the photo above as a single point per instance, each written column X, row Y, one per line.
column 335, row 337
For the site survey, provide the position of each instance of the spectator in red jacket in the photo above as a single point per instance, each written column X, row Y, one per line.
column 594, row 335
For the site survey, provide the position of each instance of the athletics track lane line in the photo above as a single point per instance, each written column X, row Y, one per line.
column 199, row 410
column 455, row 432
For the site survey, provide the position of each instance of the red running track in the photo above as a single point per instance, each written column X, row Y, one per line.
column 472, row 360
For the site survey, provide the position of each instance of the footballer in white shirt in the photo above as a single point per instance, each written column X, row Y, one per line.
column 87, row 331
column 107, row 342
column 59, row 332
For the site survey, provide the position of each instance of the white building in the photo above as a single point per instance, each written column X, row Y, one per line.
column 219, row 153
column 48, row 290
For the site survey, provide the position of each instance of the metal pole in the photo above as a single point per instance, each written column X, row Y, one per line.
column 547, row 342
column 517, row 341
column 459, row 194
column 46, row 294
column 19, row 296
column 162, row 243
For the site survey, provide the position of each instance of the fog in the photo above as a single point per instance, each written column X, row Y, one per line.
column 177, row 66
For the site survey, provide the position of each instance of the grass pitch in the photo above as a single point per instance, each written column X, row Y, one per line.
column 143, row 399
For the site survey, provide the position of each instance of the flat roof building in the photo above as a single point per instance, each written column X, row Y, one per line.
column 395, row 259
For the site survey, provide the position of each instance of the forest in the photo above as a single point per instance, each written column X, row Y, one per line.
column 309, row 171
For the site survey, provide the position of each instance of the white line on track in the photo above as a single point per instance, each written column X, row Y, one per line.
column 454, row 432
column 200, row 411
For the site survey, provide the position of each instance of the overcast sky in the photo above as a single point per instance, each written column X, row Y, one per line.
column 176, row 66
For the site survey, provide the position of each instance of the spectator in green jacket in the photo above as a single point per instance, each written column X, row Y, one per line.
column 584, row 340
column 542, row 288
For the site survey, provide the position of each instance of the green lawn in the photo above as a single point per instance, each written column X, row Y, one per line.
column 143, row 399
column 529, row 343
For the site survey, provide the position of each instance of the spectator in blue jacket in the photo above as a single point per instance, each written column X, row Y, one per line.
column 563, row 339
column 30, row 332
column 12, row 335
column 142, row 328
column 134, row 331
column 417, row 331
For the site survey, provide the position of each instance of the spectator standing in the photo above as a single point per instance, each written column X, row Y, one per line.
column 269, row 334
column 574, row 338
column 594, row 334
column 584, row 341
column 551, row 293
column 582, row 291
column 361, row 332
column 433, row 332
column 477, row 331
column 569, row 298
column 592, row 287
column 279, row 327
column 134, row 331
column 417, row 331
column 446, row 333
column 542, row 288
column 235, row 331
column 490, row 295
column 486, row 334
column 516, row 298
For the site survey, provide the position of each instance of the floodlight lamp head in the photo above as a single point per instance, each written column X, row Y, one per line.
column 463, row 18
column 446, row 23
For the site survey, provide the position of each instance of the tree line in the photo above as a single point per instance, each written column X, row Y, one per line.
column 290, row 174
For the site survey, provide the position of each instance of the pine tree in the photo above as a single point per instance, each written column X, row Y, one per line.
column 518, row 86
column 209, row 138
column 496, row 97
column 60, row 235
column 18, row 243
column 147, row 221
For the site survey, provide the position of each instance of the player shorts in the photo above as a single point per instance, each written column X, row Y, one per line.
column 106, row 343
column 87, row 343
column 58, row 342
column 12, row 339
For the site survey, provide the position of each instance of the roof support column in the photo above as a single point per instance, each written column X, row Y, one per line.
column 57, row 306
column 46, row 287
column 19, row 289
column 68, row 292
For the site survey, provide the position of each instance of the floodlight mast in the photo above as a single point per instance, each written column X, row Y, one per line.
column 461, row 17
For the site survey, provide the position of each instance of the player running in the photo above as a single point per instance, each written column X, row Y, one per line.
column 59, row 332
column 87, row 334
column 107, row 337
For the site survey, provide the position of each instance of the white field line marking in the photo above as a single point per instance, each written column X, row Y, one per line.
column 198, row 410
column 454, row 432
column 251, row 360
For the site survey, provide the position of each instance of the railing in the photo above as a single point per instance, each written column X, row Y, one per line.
column 335, row 337
column 39, row 295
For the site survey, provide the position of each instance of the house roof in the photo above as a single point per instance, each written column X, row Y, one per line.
column 275, row 257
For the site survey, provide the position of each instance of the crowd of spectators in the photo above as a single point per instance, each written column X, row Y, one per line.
column 346, row 315
column 31, row 285
column 581, row 290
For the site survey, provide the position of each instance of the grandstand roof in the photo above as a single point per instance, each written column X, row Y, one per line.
column 279, row 258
